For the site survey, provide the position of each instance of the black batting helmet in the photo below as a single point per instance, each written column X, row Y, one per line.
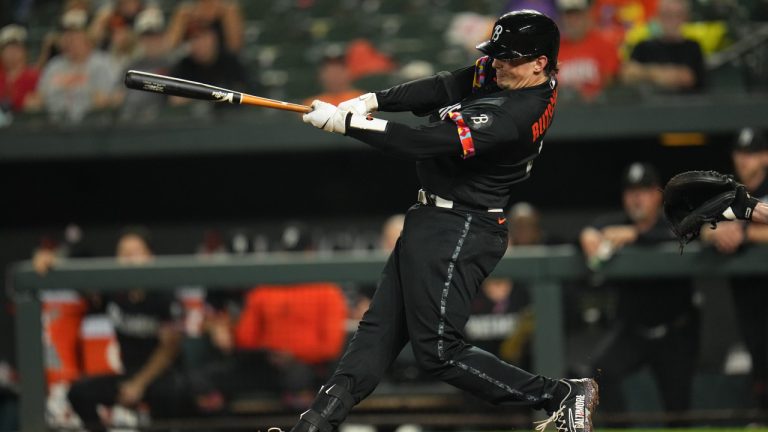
column 523, row 33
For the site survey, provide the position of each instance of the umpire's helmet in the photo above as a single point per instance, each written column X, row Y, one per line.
column 524, row 33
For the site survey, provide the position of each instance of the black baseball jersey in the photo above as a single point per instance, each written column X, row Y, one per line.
column 481, row 139
column 137, row 320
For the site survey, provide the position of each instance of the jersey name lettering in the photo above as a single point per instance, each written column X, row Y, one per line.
column 542, row 124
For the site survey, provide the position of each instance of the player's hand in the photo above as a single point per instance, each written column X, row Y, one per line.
column 727, row 237
column 363, row 105
column 327, row 117
column 130, row 393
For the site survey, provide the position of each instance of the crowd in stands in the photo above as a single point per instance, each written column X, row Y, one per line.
column 649, row 46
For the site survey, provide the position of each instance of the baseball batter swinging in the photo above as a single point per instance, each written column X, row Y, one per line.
column 487, row 126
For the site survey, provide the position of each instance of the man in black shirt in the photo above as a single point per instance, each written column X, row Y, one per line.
column 657, row 321
column 750, row 297
column 669, row 62
column 487, row 126
column 208, row 63
column 149, row 339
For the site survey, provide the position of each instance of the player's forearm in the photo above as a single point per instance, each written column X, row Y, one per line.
column 426, row 94
column 162, row 358
column 756, row 233
column 414, row 143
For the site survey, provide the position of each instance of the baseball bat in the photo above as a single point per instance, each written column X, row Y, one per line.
column 149, row 82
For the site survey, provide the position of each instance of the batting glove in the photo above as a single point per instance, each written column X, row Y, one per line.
column 362, row 105
column 327, row 117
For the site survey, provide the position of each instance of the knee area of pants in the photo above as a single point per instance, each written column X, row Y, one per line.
column 429, row 362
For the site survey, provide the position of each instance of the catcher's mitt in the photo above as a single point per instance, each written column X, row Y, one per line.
column 694, row 198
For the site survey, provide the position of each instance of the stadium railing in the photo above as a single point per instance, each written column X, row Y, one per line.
column 545, row 268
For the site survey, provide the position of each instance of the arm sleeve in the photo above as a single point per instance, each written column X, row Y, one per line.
column 476, row 129
column 427, row 94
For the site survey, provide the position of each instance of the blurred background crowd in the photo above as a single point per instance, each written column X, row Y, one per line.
column 675, row 345
column 66, row 59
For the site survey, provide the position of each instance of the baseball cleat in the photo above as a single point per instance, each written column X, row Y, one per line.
column 575, row 411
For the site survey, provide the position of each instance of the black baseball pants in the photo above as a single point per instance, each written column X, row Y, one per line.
column 167, row 397
column 424, row 295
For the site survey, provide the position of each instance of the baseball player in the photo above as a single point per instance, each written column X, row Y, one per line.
column 486, row 128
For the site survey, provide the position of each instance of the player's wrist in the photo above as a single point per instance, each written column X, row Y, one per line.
column 357, row 121
column 743, row 205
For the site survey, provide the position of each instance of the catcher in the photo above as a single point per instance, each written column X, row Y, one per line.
column 695, row 198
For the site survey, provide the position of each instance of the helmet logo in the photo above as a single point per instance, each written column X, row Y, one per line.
column 497, row 33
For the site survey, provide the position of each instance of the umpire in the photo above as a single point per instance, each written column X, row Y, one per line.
column 486, row 127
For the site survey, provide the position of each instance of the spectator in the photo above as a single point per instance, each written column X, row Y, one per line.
column 524, row 225
column 662, row 335
column 284, row 342
column 144, row 106
column 80, row 79
column 149, row 336
column 17, row 78
column 669, row 62
column 615, row 17
column 335, row 82
column 364, row 59
column 588, row 60
column 207, row 63
column 750, row 158
column 223, row 16
column 51, row 46
column 501, row 321
column 114, row 23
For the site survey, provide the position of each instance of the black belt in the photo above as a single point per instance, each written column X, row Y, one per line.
column 433, row 200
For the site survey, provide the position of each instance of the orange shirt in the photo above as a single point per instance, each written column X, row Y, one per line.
column 588, row 64
column 305, row 320
column 334, row 98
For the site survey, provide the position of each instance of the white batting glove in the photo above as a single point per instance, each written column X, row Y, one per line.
column 327, row 117
column 362, row 105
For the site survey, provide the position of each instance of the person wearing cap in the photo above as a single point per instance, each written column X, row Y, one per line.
column 658, row 323
column 335, row 81
column 18, row 79
column 669, row 62
column 153, row 57
column 207, row 62
column 80, row 79
column 589, row 61
column 223, row 16
column 114, row 22
column 486, row 126
column 750, row 160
